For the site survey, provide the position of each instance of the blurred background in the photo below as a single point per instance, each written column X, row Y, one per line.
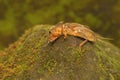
column 103, row 16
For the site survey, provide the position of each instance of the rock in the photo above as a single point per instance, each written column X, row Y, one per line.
column 32, row 58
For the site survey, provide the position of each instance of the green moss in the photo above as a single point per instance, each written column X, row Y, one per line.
column 32, row 58
column 107, row 62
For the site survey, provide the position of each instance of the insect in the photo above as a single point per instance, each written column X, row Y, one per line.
column 73, row 29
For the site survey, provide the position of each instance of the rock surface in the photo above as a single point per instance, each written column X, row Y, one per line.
column 31, row 58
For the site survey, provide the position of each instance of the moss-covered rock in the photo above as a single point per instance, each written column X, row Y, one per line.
column 31, row 58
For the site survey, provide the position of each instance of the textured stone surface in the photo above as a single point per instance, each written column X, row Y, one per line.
column 31, row 58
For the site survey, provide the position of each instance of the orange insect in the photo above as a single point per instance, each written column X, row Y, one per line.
column 73, row 29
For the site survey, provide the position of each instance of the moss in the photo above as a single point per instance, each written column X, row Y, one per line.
column 32, row 58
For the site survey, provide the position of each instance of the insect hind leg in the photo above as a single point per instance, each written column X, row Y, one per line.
column 82, row 43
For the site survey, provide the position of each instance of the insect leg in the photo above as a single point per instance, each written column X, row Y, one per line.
column 82, row 43
column 65, row 35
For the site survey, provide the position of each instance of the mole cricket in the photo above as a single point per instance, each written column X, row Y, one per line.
column 73, row 29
